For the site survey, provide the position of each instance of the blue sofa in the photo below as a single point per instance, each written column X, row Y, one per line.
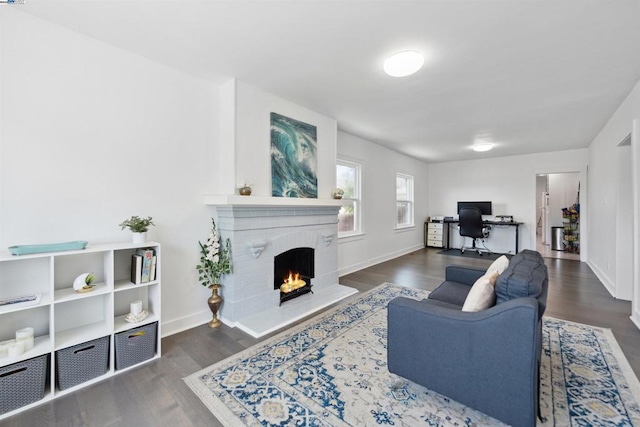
column 488, row 360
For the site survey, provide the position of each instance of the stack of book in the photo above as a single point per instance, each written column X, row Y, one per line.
column 143, row 266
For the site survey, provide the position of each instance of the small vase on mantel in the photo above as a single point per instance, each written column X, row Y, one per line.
column 139, row 237
column 214, row 301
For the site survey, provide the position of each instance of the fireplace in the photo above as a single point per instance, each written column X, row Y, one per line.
column 292, row 272
column 260, row 231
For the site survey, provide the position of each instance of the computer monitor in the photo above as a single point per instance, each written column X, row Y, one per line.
column 485, row 207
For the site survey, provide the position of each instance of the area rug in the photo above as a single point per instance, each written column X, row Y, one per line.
column 332, row 371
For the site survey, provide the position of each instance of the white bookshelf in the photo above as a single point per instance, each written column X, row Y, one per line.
column 64, row 318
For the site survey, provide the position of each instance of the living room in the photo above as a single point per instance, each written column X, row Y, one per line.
column 92, row 133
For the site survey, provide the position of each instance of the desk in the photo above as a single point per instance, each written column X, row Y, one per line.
column 515, row 225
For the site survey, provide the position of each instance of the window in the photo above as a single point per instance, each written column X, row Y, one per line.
column 404, row 201
column 349, row 217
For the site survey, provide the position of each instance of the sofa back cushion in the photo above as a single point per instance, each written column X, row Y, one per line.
column 526, row 276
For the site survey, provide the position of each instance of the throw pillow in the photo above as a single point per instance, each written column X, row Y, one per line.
column 482, row 294
column 498, row 265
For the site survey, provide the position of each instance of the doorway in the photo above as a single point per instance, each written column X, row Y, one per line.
column 558, row 215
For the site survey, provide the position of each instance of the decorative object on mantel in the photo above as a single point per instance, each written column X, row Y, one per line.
column 337, row 193
column 84, row 283
column 257, row 248
column 138, row 226
column 215, row 261
column 48, row 247
column 245, row 190
column 293, row 158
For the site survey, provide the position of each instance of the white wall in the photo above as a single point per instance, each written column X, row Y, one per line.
column 509, row 182
column 380, row 241
column 604, row 170
column 246, row 145
column 91, row 135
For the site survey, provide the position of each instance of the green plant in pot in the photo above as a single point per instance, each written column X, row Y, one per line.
column 139, row 227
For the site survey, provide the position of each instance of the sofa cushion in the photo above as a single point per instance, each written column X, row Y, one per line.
column 526, row 276
column 451, row 292
column 482, row 294
column 499, row 265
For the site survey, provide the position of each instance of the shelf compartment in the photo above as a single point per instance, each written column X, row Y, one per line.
column 68, row 267
column 19, row 277
column 41, row 345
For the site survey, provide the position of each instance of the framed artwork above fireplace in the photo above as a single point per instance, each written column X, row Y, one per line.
column 294, row 158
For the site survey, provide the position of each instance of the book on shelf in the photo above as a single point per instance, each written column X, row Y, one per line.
column 136, row 269
column 152, row 272
column 147, row 258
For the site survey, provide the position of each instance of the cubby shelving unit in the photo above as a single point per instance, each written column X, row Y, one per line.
column 64, row 318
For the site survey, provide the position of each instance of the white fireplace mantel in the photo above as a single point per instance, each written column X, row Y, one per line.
column 237, row 200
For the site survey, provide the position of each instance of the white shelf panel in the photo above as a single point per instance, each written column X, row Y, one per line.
column 69, row 294
column 121, row 325
column 41, row 345
column 11, row 308
column 123, row 285
column 81, row 334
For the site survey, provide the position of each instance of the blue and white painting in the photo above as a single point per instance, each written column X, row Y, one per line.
column 294, row 161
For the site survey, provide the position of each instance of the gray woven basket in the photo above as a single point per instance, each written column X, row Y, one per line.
column 23, row 383
column 135, row 345
column 82, row 362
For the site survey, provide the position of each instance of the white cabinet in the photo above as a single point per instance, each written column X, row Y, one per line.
column 63, row 317
column 435, row 235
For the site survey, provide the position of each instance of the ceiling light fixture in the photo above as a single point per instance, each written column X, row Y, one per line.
column 404, row 63
column 482, row 146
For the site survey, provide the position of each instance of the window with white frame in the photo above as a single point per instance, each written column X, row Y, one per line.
column 404, row 200
column 348, row 178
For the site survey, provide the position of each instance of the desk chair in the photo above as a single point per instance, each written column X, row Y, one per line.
column 470, row 221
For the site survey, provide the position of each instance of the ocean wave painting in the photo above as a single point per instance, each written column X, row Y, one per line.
column 293, row 158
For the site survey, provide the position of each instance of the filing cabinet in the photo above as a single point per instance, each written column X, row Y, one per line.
column 435, row 235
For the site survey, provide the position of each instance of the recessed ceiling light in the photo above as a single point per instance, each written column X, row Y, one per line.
column 404, row 63
column 482, row 146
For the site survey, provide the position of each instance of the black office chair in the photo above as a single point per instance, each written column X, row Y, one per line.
column 470, row 221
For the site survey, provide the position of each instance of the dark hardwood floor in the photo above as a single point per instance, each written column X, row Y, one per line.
column 155, row 395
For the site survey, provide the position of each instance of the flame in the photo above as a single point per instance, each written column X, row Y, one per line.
column 292, row 282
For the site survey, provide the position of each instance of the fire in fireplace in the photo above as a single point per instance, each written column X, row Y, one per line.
column 293, row 271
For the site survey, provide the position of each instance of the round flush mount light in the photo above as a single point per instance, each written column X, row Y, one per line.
column 403, row 64
column 482, row 146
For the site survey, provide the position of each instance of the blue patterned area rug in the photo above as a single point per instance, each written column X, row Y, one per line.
column 332, row 371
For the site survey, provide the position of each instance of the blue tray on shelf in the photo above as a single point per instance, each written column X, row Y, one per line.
column 48, row 247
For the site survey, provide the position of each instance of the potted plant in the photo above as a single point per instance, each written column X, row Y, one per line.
column 215, row 261
column 138, row 226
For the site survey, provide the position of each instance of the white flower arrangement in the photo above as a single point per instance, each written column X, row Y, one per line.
column 214, row 259
column 337, row 193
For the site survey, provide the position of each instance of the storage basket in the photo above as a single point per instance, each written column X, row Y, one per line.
column 23, row 383
column 135, row 345
column 82, row 362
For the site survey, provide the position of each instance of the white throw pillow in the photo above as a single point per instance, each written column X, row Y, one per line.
column 482, row 294
column 498, row 265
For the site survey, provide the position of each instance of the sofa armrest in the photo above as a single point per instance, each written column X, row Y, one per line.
column 463, row 274
column 486, row 360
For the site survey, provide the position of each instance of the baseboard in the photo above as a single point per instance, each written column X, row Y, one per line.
column 635, row 318
column 373, row 261
column 608, row 284
column 186, row 322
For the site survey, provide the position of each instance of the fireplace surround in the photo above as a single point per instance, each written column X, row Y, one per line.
column 258, row 233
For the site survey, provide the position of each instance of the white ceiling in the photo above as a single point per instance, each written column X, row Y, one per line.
column 530, row 75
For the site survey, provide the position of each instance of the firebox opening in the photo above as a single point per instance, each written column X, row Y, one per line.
column 293, row 271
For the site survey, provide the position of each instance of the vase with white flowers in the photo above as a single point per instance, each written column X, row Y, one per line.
column 215, row 261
